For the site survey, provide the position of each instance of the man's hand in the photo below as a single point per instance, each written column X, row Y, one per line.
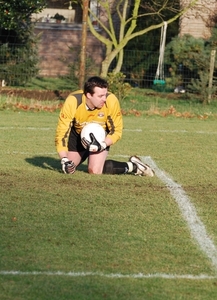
column 85, row 143
column 95, row 146
column 68, row 166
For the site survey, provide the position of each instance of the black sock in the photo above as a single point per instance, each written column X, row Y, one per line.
column 115, row 167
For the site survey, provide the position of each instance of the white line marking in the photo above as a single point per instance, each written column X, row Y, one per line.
column 137, row 130
column 164, row 130
column 184, row 131
column 112, row 275
column 32, row 153
column 196, row 227
column 27, row 128
column 48, row 128
column 125, row 129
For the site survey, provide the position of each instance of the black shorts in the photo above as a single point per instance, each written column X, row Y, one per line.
column 74, row 143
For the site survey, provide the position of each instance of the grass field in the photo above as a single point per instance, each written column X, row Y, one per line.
column 109, row 237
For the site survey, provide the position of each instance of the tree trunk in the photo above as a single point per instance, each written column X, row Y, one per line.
column 83, row 44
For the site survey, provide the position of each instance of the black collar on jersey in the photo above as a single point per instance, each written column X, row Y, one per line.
column 88, row 108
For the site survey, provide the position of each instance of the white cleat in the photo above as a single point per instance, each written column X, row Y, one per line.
column 142, row 169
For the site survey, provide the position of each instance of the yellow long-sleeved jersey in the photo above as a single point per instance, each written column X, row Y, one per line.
column 76, row 116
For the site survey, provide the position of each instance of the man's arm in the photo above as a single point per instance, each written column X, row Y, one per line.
column 66, row 116
column 115, row 120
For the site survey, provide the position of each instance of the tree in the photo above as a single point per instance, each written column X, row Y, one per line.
column 118, row 27
column 18, row 45
column 13, row 13
column 83, row 43
column 150, row 41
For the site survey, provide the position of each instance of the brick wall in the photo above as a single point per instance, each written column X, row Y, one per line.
column 195, row 20
column 54, row 48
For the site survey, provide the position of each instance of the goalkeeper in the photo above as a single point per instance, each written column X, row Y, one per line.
column 93, row 104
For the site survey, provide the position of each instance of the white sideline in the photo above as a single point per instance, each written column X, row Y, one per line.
column 125, row 129
column 27, row 128
column 111, row 275
column 195, row 225
column 50, row 128
column 184, row 131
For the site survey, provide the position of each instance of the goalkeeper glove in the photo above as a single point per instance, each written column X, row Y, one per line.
column 94, row 145
column 85, row 143
column 68, row 166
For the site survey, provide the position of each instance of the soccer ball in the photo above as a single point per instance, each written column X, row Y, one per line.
column 94, row 128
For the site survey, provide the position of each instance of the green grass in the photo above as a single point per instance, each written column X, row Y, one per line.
column 139, row 101
column 105, row 224
column 148, row 100
column 49, row 83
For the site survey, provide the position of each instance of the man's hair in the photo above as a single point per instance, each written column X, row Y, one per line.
column 93, row 82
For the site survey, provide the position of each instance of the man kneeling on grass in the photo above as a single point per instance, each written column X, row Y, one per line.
column 93, row 104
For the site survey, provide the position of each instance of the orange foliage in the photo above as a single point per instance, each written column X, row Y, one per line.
column 171, row 111
column 37, row 107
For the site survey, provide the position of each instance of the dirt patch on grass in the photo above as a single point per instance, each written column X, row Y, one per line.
column 41, row 95
column 49, row 95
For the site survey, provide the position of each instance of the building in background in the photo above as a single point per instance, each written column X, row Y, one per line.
column 196, row 21
column 60, row 42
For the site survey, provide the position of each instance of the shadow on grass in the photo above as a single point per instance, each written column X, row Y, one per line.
column 50, row 163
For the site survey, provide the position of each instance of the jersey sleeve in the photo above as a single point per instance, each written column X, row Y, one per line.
column 66, row 117
column 114, row 119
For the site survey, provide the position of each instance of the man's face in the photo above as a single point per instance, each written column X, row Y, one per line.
column 98, row 99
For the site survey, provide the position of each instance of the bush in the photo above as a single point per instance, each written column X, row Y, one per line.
column 91, row 69
column 190, row 60
column 18, row 57
column 117, row 85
